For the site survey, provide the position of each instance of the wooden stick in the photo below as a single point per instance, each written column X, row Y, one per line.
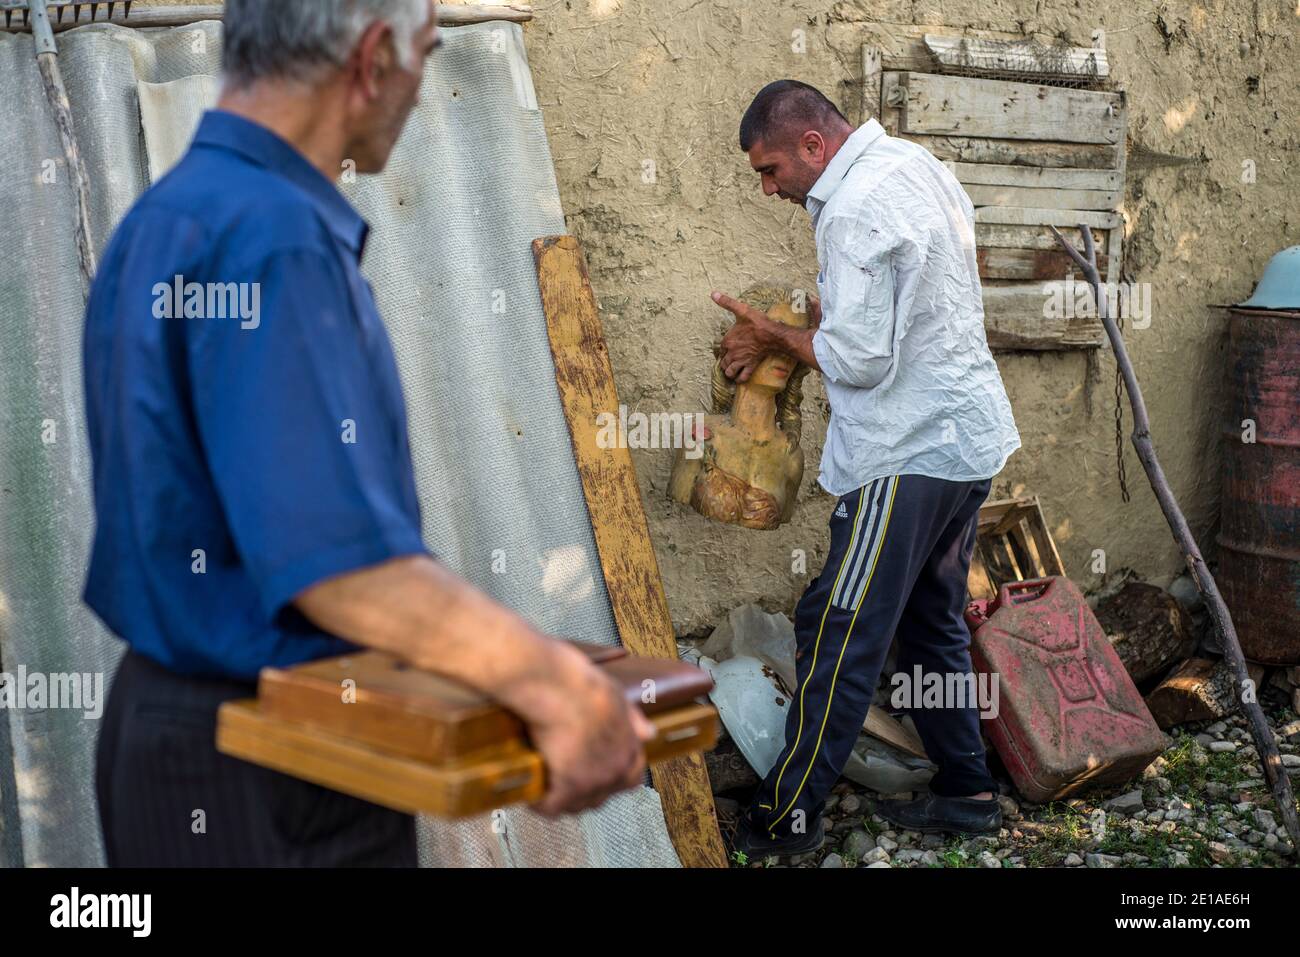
column 1265, row 744
column 56, row 94
column 456, row 16
column 585, row 381
column 143, row 17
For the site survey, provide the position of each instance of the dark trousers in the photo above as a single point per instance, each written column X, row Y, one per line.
column 167, row 798
column 899, row 556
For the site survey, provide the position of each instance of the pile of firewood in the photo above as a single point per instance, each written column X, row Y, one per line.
column 1171, row 655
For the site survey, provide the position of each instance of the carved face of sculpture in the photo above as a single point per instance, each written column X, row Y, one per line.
column 753, row 462
column 774, row 372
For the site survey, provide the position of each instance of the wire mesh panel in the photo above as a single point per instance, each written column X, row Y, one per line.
column 1029, row 61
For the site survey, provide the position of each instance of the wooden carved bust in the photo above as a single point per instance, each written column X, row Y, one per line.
column 752, row 463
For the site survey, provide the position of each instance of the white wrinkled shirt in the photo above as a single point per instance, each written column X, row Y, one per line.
column 912, row 385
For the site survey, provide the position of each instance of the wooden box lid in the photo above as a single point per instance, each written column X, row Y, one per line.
column 374, row 698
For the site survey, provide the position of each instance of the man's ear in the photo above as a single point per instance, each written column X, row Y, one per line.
column 372, row 57
column 812, row 146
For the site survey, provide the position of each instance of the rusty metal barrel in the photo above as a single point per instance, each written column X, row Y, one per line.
column 1259, row 537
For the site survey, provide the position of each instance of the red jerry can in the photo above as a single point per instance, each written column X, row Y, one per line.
column 1068, row 716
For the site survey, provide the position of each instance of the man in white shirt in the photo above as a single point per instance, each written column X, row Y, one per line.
column 920, row 423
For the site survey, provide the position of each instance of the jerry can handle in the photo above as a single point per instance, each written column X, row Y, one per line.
column 1021, row 593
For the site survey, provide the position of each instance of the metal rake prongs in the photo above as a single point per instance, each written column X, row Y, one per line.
column 10, row 7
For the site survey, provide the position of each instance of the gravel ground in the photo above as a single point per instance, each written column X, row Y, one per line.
column 1203, row 803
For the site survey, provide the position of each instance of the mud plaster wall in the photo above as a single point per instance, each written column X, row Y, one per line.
column 625, row 81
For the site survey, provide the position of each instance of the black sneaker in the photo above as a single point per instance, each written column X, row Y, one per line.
column 757, row 844
column 934, row 813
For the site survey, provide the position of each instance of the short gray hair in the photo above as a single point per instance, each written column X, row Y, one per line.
column 301, row 39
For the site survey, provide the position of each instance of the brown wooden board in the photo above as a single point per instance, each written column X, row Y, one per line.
column 1014, row 319
column 1035, row 177
column 376, row 699
column 586, row 385
column 1029, row 237
column 1028, row 153
column 880, row 725
column 476, row 784
column 1022, row 264
column 1035, row 216
column 1042, row 197
column 965, row 106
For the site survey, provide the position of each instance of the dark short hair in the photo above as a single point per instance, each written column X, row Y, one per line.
column 782, row 105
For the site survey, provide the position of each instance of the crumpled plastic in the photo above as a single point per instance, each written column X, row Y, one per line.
column 750, row 657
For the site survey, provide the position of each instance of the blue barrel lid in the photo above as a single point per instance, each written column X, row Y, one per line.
column 1279, row 287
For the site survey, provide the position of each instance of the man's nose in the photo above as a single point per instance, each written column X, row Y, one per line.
column 769, row 186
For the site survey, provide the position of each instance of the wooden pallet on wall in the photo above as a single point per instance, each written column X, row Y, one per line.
column 1038, row 146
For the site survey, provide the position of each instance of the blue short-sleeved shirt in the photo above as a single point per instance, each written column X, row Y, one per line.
column 246, row 419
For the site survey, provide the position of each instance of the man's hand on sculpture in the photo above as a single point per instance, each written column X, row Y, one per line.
column 755, row 335
column 746, row 342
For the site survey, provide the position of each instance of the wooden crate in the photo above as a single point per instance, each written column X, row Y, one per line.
column 1013, row 545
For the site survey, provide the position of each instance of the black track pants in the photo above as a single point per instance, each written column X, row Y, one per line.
column 167, row 798
column 899, row 556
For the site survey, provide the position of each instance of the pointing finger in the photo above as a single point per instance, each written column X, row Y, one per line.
column 734, row 306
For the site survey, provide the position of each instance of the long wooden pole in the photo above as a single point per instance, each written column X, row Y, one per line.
column 449, row 15
column 585, row 381
column 56, row 94
column 1265, row 744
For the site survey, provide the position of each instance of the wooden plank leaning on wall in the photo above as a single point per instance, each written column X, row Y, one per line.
column 636, row 592
column 148, row 15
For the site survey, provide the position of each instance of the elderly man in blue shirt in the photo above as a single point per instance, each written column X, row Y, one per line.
column 920, row 423
column 254, row 496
